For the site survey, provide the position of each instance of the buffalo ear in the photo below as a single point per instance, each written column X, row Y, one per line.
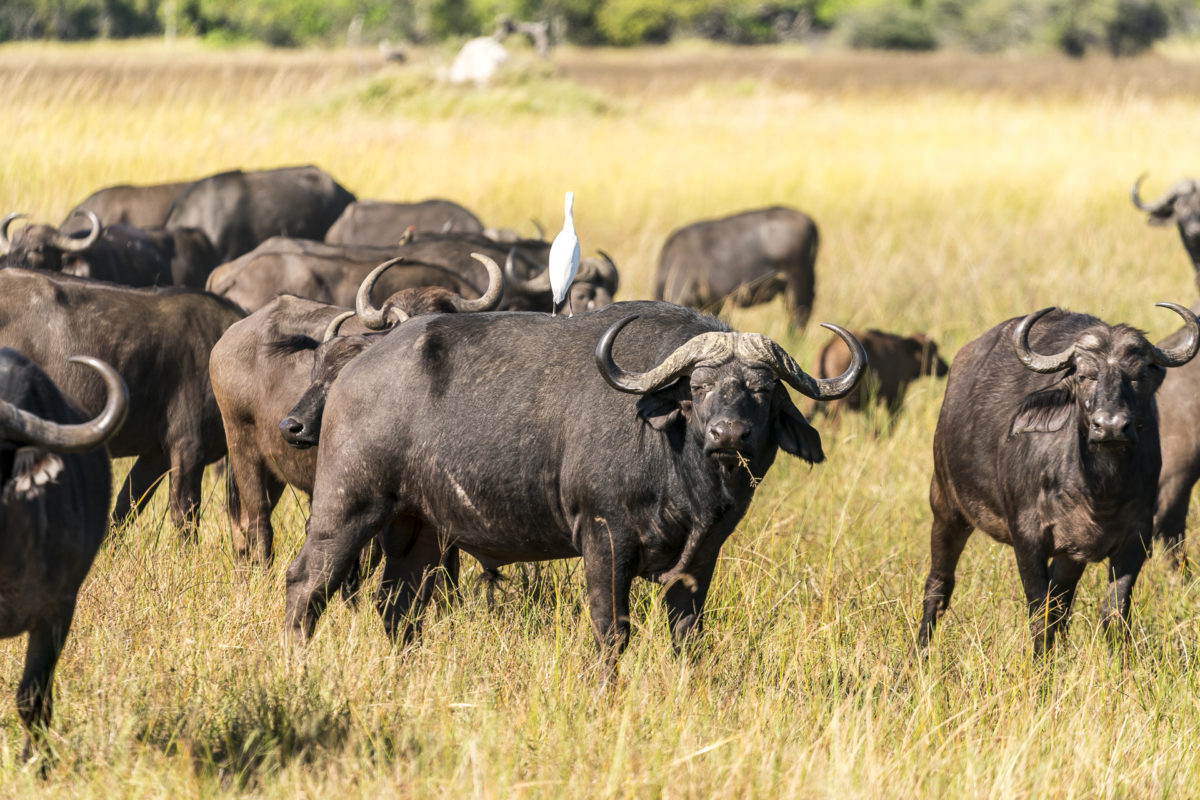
column 663, row 409
column 796, row 436
column 1043, row 412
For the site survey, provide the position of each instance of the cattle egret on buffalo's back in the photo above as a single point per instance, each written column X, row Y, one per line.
column 564, row 257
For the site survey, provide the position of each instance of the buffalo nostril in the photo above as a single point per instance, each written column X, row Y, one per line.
column 292, row 425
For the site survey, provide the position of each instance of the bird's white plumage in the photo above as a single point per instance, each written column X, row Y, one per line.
column 564, row 254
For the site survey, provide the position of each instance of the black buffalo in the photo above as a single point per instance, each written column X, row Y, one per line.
column 1181, row 205
column 237, row 210
column 524, row 437
column 1056, row 455
column 381, row 224
column 117, row 253
column 744, row 259
column 55, row 485
column 159, row 341
column 139, row 206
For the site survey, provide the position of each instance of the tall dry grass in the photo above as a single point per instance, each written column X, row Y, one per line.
column 945, row 208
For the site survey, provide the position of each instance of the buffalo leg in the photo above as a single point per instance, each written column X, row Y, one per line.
column 412, row 555
column 1123, row 569
column 947, row 538
column 35, row 694
column 608, row 571
column 139, row 486
column 336, row 533
column 1048, row 590
column 1170, row 519
column 187, row 476
column 684, row 601
column 1064, row 578
column 258, row 493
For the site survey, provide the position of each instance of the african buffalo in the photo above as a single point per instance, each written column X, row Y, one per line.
column 238, row 210
column 139, row 206
column 744, row 259
column 159, row 341
column 525, row 437
column 117, row 253
column 892, row 363
column 55, row 485
column 381, row 224
column 333, row 273
column 277, row 364
column 1181, row 205
column 1056, row 455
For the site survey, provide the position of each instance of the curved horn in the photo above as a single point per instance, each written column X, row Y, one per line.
column 1178, row 356
column 374, row 318
column 820, row 388
column 72, row 438
column 666, row 373
column 70, row 244
column 335, row 325
column 540, row 283
column 1133, row 193
column 490, row 298
column 5, row 244
column 1035, row 361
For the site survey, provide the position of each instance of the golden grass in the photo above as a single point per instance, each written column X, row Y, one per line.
column 951, row 192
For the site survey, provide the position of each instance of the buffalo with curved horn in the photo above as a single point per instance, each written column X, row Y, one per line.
column 1179, row 204
column 645, row 481
column 278, row 364
column 118, row 253
column 595, row 285
column 1051, row 447
column 415, row 301
column 55, row 487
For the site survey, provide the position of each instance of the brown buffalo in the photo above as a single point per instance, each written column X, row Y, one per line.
column 287, row 353
column 893, row 362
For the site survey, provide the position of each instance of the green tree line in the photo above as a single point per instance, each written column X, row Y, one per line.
column 1121, row 27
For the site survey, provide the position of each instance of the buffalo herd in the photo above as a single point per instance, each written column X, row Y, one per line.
column 395, row 361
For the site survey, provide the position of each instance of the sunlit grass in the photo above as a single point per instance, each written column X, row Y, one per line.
column 941, row 210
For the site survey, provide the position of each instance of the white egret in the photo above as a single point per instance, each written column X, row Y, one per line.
column 564, row 257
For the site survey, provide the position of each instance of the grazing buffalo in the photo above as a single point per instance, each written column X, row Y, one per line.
column 139, row 206
column 117, row 253
column 1053, row 450
column 237, row 210
column 55, row 485
column 159, row 341
column 277, row 364
column 525, row 437
column 382, row 224
column 745, row 259
column 892, row 363
column 1181, row 205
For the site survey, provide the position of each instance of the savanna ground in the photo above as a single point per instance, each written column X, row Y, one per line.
column 952, row 192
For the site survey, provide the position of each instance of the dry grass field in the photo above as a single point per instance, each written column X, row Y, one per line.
column 952, row 192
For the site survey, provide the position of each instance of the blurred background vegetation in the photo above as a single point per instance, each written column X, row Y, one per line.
column 1119, row 27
